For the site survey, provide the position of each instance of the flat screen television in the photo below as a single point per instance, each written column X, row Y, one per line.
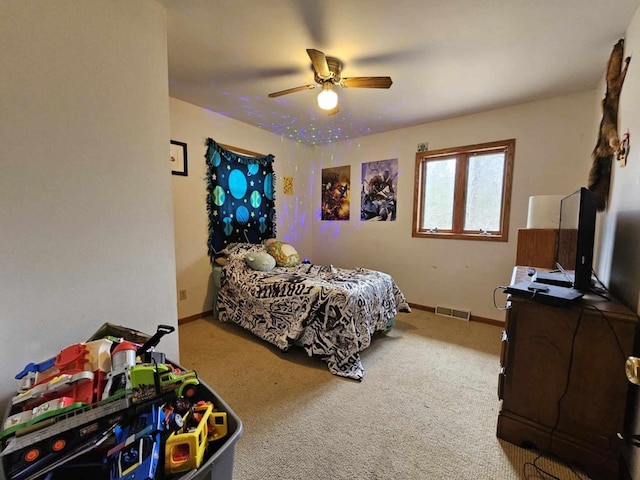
column 576, row 238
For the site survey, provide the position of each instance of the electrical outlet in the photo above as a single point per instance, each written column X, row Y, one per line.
column 182, row 294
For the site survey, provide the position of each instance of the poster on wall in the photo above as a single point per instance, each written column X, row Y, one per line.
column 378, row 192
column 287, row 185
column 336, row 184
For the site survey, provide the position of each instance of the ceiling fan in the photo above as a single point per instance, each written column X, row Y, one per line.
column 327, row 73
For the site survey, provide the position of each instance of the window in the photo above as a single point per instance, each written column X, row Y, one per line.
column 464, row 192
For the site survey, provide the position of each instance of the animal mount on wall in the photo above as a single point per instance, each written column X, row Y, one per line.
column 608, row 141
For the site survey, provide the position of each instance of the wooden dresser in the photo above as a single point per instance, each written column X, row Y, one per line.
column 562, row 382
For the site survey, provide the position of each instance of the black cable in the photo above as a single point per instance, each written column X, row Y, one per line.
column 601, row 290
column 633, row 441
column 568, row 380
column 504, row 288
column 542, row 473
column 593, row 272
column 501, row 309
column 608, row 320
column 600, row 294
column 624, row 357
column 612, row 455
column 538, row 469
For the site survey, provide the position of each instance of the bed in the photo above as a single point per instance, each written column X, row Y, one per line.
column 331, row 312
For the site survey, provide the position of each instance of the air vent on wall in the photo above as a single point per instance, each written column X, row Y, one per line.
column 453, row 312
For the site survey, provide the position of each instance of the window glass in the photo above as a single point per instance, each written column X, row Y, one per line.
column 484, row 192
column 438, row 200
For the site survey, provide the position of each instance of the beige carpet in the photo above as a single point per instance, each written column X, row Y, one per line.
column 426, row 409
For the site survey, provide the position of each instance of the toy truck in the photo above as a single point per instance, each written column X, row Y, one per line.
column 185, row 448
column 73, row 380
column 75, row 372
column 152, row 380
column 136, row 455
column 30, row 455
column 27, row 418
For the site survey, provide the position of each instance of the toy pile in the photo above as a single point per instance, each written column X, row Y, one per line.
column 109, row 408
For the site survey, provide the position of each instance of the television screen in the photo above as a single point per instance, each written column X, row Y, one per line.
column 576, row 237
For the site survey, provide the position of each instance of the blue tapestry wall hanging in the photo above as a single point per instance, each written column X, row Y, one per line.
column 241, row 200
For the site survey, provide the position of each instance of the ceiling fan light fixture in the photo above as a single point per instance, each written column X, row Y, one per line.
column 327, row 98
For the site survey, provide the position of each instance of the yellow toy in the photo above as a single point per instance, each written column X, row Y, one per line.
column 185, row 448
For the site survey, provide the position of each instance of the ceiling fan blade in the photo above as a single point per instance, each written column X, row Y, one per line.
column 291, row 90
column 366, row 82
column 319, row 62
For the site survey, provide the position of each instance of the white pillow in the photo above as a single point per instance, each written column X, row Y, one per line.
column 261, row 261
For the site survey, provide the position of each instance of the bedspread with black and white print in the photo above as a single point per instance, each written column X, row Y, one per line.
column 331, row 312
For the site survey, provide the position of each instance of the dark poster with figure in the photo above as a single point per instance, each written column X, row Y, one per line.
column 240, row 203
column 379, row 186
column 336, row 183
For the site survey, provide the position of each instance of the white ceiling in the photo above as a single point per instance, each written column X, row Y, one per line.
column 446, row 57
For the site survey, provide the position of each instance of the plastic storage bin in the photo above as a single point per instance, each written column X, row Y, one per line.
column 219, row 459
column 219, row 466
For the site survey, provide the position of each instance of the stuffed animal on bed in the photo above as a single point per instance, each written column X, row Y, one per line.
column 284, row 253
column 261, row 261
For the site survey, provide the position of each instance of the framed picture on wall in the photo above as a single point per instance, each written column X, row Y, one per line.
column 178, row 154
